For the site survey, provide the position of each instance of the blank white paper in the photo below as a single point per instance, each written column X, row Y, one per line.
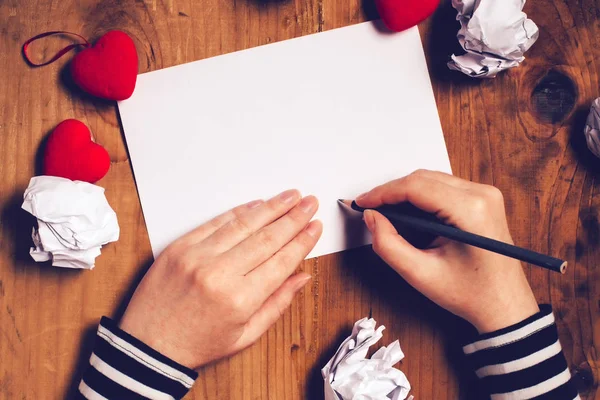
column 332, row 114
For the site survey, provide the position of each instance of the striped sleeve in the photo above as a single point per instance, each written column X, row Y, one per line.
column 122, row 367
column 523, row 361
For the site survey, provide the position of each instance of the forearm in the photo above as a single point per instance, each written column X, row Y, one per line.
column 523, row 361
column 122, row 367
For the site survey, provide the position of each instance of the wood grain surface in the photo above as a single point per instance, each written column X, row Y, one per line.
column 521, row 132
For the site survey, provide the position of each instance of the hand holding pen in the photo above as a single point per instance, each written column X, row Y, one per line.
column 487, row 289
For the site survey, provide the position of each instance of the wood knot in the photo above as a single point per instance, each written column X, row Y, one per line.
column 583, row 378
column 553, row 98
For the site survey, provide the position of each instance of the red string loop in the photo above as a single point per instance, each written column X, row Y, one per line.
column 57, row 55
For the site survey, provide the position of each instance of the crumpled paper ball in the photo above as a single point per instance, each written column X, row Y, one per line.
column 351, row 376
column 592, row 128
column 74, row 220
column 495, row 35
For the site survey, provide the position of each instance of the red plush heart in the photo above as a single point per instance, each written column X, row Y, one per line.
column 70, row 153
column 399, row 15
column 109, row 68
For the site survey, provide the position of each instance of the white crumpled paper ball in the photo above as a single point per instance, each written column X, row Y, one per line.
column 494, row 34
column 74, row 220
column 592, row 128
column 349, row 375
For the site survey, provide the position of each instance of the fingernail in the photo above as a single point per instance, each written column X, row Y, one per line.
column 307, row 204
column 254, row 203
column 361, row 196
column 369, row 220
column 313, row 229
column 288, row 195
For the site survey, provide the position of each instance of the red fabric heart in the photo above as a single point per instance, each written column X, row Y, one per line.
column 109, row 68
column 70, row 153
column 399, row 15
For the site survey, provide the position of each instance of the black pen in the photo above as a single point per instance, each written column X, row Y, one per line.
column 437, row 228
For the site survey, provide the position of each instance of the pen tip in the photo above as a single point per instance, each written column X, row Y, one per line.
column 347, row 203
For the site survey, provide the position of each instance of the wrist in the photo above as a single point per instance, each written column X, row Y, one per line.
column 495, row 319
column 126, row 356
column 154, row 339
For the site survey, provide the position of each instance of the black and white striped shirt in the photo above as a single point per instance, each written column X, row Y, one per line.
column 122, row 367
column 523, row 361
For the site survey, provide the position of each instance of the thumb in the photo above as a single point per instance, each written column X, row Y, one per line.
column 403, row 257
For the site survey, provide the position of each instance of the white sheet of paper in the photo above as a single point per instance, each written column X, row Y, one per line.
column 332, row 114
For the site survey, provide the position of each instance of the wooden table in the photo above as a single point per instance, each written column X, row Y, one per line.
column 521, row 132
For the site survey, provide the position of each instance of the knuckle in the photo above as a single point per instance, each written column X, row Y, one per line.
column 494, row 194
column 272, row 206
column 266, row 238
column 217, row 222
column 185, row 263
column 241, row 225
column 378, row 244
column 176, row 248
column 297, row 216
column 286, row 258
column 306, row 241
column 239, row 305
column 413, row 181
column 238, row 211
column 420, row 172
column 479, row 205
column 480, row 214
column 203, row 283
column 211, row 286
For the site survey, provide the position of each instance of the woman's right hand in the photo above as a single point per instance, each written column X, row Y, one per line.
column 487, row 289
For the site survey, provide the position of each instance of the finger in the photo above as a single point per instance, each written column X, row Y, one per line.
column 259, row 247
column 205, row 230
column 247, row 223
column 272, row 309
column 414, row 265
column 455, row 181
column 446, row 178
column 271, row 275
column 447, row 202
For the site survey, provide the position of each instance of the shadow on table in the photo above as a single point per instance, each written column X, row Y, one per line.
column 441, row 43
column 89, row 337
column 578, row 142
column 16, row 226
column 314, row 381
column 120, row 310
column 18, row 223
column 85, row 350
column 369, row 10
